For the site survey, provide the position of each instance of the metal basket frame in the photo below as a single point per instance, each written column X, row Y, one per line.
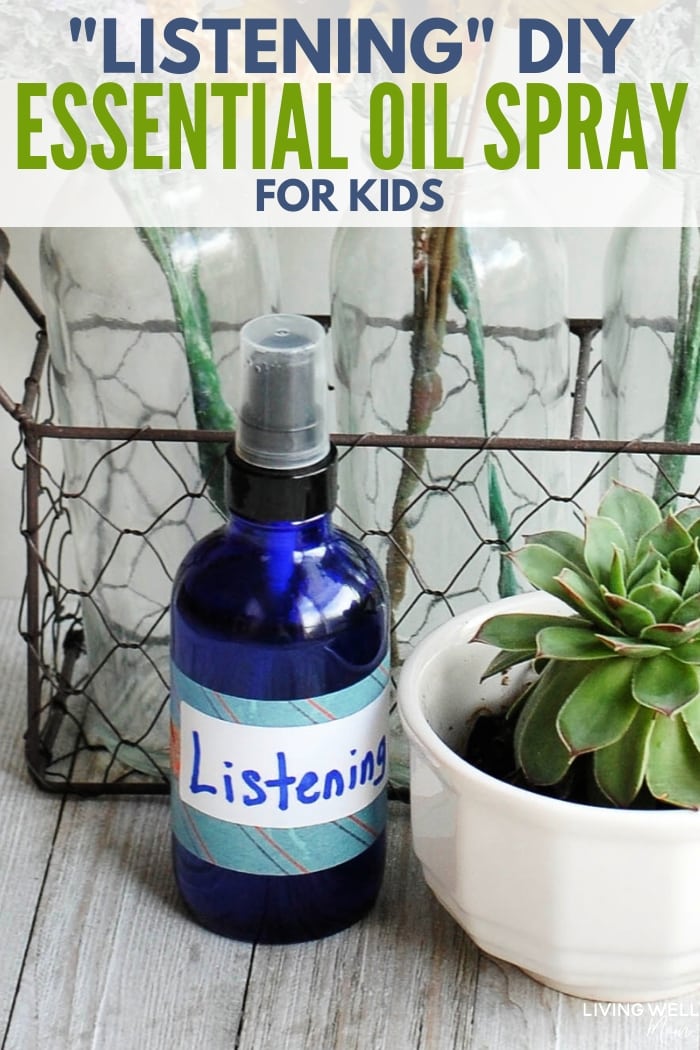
column 46, row 720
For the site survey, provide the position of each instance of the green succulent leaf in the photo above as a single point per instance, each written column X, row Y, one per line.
column 539, row 750
column 541, row 565
column 692, row 629
column 646, row 571
column 691, row 587
column 628, row 647
column 634, row 512
column 691, row 716
column 567, row 643
column 564, row 543
column 668, row 635
column 671, row 581
column 661, row 601
column 582, row 594
column 621, row 676
column 664, row 683
column 603, row 536
column 518, row 630
column 673, row 767
column 689, row 516
column 619, row 768
column 688, row 652
column 681, row 561
column 667, row 537
column 618, row 569
column 506, row 659
column 632, row 617
column 600, row 709
column 688, row 611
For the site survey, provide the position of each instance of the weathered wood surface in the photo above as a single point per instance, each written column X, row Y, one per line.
column 113, row 962
column 101, row 956
column 27, row 819
column 405, row 977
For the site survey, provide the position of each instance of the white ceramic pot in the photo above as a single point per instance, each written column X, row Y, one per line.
column 599, row 903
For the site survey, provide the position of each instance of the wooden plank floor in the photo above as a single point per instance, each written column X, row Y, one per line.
column 96, row 953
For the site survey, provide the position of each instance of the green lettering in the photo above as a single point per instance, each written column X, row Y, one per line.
column 669, row 116
column 145, row 125
column 194, row 127
column 582, row 127
column 61, row 96
column 229, row 94
column 325, row 147
column 291, row 135
column 418, row 125
column 27, row 125
column 441, row 158
column 538, row 123
column 105, row 93
column 627, row 115
column 510, row 96
column 259, row 126
column 392, row 93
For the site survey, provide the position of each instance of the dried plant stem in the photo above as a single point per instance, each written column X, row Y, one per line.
column 433, row 263
column 442, row 269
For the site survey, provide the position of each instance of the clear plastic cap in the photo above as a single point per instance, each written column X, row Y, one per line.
column 282, row 410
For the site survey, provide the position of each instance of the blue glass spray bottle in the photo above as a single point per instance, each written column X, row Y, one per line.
column 279, row 674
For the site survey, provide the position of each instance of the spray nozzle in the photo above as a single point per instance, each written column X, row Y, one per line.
column 282, row 417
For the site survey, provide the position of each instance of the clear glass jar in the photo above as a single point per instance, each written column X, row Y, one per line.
column 143, row 329
column 651, row 331
column 505, row 373
column 449, row 332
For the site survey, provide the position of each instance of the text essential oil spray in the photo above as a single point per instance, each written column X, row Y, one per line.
column 279, row 674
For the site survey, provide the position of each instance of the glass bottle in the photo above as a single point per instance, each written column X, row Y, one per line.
column 449, row 332
column 651, row 330
column 279, row 644
column 143, row 329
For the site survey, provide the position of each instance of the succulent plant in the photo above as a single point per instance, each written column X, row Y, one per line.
column 619, row 677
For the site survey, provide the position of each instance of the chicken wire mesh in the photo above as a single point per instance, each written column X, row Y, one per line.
column 74, row 742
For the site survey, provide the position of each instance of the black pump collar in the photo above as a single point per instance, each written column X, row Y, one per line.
column 263, row 495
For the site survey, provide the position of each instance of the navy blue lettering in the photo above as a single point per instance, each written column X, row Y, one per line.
column 254, row 45
column 452, row 52
column 111, row 63
column 251, row 778
column 294, row 37
column 228, row 783
column 147, row 45
column 358, row 195
column 333, row 776
column 221, row 27
column 608, row 41
column 195, row 787
column 381, row 762
column 352, row 783
column 283, row 781
column 188, row 50
column 369, row 37
column 433, row 200
column 555, row 45
column 367, row 768
column 304, row 793
column 265, row 189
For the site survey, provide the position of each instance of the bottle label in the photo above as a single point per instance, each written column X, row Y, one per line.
column 278, row 787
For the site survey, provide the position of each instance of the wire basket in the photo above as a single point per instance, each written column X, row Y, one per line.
column 60, row 756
